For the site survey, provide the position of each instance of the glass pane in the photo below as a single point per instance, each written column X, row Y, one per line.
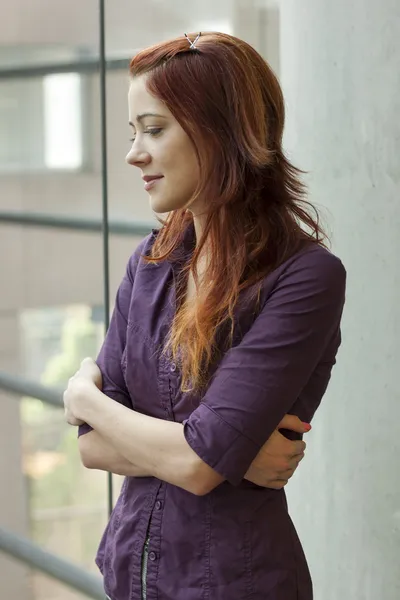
column 67, row 502
column 62, row 121
column 41, row 117
column 21, row 126
column 52, row 287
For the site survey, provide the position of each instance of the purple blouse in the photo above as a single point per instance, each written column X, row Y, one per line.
column 237, row 542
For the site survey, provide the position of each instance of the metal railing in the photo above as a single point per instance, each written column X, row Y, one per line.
column 63, row 222
column 25, row 387
column 32, row 555
column 84, row 65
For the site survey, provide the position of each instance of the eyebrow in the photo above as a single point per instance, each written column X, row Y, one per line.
column 147, row 114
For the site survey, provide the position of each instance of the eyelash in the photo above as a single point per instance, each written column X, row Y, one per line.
column 153, row 132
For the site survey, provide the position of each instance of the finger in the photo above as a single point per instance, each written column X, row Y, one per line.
column 296, row 448
column 294, row 463
column 88, row 363
column 285, row 475
column 277, row 484
column 287, row 465
column 71, row 420
column 89, row 369
column 293, row 423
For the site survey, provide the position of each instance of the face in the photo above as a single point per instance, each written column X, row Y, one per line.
column 161, row 150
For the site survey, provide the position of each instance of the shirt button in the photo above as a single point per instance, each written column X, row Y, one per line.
column 152, row 556
column 173, row 368
column 158, row 505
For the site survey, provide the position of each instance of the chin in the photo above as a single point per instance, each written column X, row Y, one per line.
column 162, row 205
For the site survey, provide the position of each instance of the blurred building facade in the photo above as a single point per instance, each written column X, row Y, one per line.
column 341, row 85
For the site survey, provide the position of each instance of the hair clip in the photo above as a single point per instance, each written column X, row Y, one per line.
column 192, row 44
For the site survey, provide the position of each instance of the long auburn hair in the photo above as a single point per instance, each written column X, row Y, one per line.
column 229, row 102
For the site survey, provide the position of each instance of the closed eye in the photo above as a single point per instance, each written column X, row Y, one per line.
column 153, row 132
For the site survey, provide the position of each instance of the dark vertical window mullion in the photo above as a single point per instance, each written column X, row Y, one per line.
column 104, row 185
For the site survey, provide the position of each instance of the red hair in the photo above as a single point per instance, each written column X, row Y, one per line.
column 230, row 104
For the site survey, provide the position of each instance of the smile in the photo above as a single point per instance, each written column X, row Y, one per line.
column 148, row 185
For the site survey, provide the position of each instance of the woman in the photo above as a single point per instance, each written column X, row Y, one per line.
column 228, row 318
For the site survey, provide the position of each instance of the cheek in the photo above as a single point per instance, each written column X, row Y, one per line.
column 186, row 167
column 187, row 179
column 178, row 161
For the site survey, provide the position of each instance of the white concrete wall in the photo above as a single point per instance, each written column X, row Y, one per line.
column 340, row 73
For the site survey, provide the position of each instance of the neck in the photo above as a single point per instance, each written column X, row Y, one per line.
column 199, row 221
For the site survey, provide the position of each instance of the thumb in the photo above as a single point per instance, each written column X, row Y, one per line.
column 88, row 367
column 293, row 423
column 87, row 363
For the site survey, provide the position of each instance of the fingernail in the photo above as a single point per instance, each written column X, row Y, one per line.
column 307, row 426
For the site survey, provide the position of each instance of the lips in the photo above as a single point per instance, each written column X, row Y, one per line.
column 150, row 181
column 148, row 178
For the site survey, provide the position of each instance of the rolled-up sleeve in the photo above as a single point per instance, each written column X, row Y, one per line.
column 111, row 354
column 260, row 379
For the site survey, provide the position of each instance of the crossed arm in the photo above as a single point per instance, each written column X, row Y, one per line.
column 131, row 444
column 229, row 435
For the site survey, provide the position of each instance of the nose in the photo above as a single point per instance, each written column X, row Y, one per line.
column 137, row 156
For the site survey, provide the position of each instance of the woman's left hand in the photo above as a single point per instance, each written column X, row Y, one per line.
column 79, row 387
column 279, row 458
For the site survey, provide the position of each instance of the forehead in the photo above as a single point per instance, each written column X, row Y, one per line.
column 140, row 100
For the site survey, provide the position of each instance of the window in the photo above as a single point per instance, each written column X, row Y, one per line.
column 62, row 119
column 41, row 122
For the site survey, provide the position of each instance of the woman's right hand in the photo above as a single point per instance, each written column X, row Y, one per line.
column 279, row 458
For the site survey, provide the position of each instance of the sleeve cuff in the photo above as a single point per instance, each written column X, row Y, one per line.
column 219, row 445
column 83, row 429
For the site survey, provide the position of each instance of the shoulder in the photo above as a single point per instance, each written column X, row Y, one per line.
column 142, row 249
column 316, row 263
column 311, row 275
